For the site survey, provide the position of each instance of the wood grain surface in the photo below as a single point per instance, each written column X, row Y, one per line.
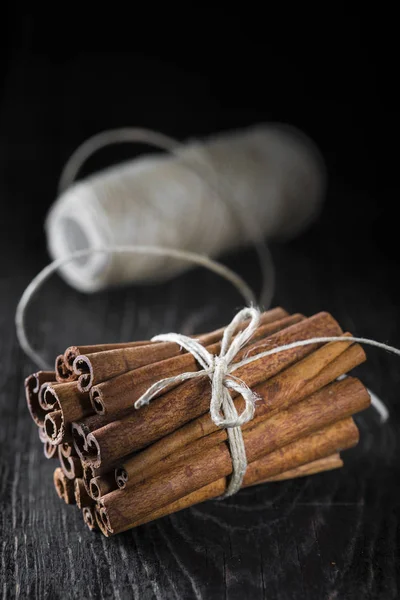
column 333, row 536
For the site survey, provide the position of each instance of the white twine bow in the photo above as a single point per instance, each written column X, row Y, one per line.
column 219, row 369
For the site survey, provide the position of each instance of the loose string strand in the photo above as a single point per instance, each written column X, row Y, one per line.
column 197, row 259
column 316, row 340
column 131, row 135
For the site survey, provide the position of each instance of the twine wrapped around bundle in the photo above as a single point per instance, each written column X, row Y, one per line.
column 219, row 369
column 142, row 432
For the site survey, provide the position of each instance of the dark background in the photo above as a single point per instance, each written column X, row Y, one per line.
column 65, row 77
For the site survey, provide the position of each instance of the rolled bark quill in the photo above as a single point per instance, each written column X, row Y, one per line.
column 70, row 405
column 65, row 487
column 49, row 450
column 217, row 488
column 81, row 429
column 33, row 383
column 89, row 517
column 63, row 373
column 101, row 485
column 102, row 366
column 84, row 368
column 64, row 362
column 125, row 466
column 317, row 466
column 82, row 498
column 71, row 465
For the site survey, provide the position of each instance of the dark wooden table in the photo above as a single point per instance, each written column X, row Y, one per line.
column 332, row 536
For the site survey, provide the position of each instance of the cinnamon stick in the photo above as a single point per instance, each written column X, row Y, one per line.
column 63, row 373
column 64, row 362
column 102, row 485
column 73, row 352
column 54, row 427
column 72, row 405
column 107, row 445
column 102, row 366
column 317, row 466
column 71, row 465
column 89, row 473
column 120, row 507
column 82, row 498
column 64, row 486
column 218, row 487
column 48, row 401
column 102, row 525
column 89, row 517
column 33, row 384
column 81, row 429
column 49, row 450
column 119, row 394
column 288, row 387
column 67, row 449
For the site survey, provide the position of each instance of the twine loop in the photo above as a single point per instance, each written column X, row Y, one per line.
column 219, row 369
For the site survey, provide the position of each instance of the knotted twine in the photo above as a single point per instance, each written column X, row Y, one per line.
column 219, row 369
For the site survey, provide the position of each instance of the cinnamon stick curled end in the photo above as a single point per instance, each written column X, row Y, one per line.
column 89, row 517
column 64, row 486
column 33, row 385
column 99, row 521
column 96, row 399
column 79, row 433
column 48, row 397
column 121, row 477
column 54, row 427
column 49, row 450
column 93, row 451
column 71, row 465
column 70, row 355
column 63, row 373
column 83, row 371
column 102, row 485
column 82, row 498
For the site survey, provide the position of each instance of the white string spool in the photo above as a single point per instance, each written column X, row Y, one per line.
column 208, row 197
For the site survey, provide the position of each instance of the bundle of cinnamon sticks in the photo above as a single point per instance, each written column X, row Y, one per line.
column 124, row 467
